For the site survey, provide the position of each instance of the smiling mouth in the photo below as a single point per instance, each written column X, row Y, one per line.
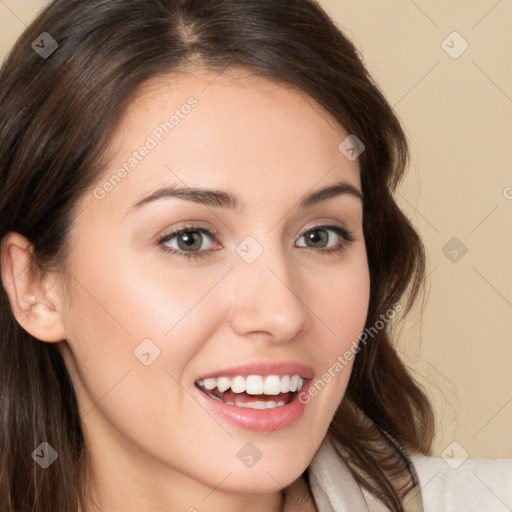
column 253, row 391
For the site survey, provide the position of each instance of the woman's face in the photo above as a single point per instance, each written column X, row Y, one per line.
column 246, row 290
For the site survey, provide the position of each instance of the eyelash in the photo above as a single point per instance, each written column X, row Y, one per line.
column 345, row 234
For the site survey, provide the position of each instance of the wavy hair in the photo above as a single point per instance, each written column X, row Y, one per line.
column 57, row 116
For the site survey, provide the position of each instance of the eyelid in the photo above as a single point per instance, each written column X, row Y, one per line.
column 349, row 235
column 215, row 233
column 191, row 226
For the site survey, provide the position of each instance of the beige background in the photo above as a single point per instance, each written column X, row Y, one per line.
column 457, row 113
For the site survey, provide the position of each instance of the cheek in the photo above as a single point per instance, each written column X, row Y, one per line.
column 169, row 319
column 342, row 300
column 342, row 303
column 128, row 301
column 124, row 315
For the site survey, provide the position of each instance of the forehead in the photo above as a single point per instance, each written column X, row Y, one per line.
column 232, row 106
column 226, row 130
column 230, row 86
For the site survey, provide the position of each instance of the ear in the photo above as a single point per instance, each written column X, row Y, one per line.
column 34, row 298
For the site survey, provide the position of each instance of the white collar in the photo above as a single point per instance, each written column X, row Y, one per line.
column 333, row 486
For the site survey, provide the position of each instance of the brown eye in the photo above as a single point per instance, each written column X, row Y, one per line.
column 188, row 242
column 319, row 238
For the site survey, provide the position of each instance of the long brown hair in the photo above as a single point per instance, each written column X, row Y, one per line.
column 57, row 114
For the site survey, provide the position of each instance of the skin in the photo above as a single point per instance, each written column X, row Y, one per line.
column 152, row 445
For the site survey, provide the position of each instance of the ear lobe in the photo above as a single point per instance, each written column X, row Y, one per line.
column 33, row 302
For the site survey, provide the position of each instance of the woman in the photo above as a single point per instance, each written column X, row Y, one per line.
column 201, row 259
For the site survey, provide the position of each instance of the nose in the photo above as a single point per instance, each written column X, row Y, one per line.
column 269, row 298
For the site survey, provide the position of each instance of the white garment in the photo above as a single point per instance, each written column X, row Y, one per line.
column 454, row 485
column 476, row 485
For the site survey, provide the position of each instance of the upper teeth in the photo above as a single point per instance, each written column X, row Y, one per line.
column 255, row 384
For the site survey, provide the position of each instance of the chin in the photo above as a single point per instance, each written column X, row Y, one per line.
column 267, row 476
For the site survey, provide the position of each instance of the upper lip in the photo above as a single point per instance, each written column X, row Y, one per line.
column 263, row 368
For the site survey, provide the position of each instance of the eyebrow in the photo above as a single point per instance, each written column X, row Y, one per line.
column 223, row 199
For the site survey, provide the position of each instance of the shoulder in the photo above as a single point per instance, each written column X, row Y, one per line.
column 452, row 485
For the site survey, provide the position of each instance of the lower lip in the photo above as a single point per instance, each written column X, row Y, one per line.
column 262, row 420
